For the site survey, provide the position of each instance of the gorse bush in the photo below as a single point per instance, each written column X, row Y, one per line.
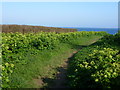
column 16, row 45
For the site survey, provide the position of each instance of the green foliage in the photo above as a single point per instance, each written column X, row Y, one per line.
column 7, row 69
column 106, row 64
column 118, row 31
column 16, row 45
column 97, row 66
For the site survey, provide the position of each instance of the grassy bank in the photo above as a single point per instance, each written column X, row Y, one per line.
column 44, row 64
column 98, row 65
column 40, row 65
column 28, row 56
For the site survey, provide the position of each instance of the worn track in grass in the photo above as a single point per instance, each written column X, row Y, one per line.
column 60, row 80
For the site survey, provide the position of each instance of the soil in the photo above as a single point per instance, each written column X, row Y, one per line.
column 61, row 77
column 60, row 80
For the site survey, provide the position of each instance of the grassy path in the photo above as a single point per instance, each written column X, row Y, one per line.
column 55, row 76
column 49, row 67
column 60, row 78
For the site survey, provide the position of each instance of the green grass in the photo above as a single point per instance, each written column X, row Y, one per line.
column 43, row 63
column 87, row 40
column 39, row 65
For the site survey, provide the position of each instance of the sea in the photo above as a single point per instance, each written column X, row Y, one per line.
column 108, row 30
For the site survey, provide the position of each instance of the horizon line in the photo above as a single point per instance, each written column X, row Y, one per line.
column 60, row 26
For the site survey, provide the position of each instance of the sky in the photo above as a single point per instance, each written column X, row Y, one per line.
column 61, row 14
column 60, row 0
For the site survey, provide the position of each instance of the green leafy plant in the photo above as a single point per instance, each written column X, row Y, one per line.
column 16, row 45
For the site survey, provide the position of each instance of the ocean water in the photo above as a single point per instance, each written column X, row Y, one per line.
column 108, row 30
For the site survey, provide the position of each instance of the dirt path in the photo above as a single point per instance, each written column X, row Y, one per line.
column 61, row 77
column 61, row 81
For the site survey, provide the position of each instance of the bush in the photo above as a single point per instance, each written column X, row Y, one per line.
column 97, row 66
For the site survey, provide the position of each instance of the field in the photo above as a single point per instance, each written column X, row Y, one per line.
column 33, row 29
column 37, row 55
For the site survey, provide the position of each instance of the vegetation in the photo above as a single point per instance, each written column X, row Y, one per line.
column 22, row 51
column 34, row 29
column 118, row 31
column 98, row 65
